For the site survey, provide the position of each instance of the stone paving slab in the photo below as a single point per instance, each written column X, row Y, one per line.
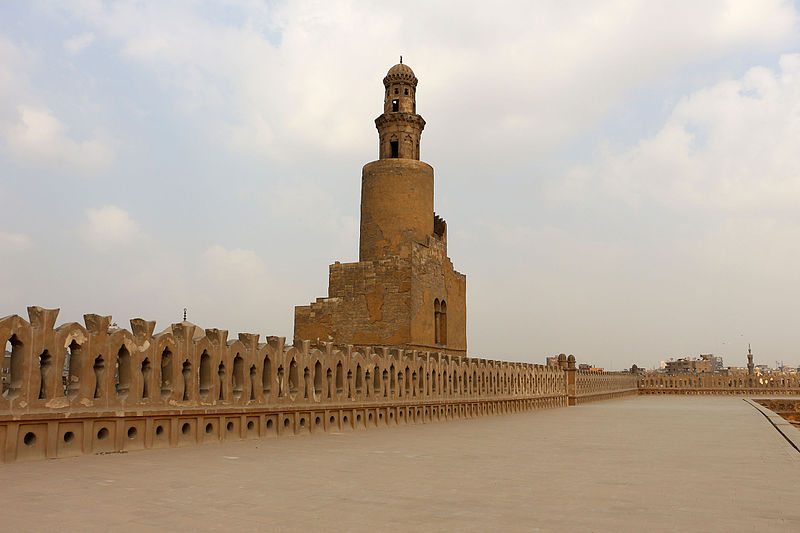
column 644, row 463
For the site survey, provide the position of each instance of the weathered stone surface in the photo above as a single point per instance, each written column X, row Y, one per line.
column 404, row 290
column 74, row 390
column 718, row 384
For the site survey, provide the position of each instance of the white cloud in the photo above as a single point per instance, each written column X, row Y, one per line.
column 110, row 226
column 732, row 146
column 37, row 137
column 535, row 74
column 235, row 289
column 14, row 242
column 234, row 265
column 79, row 43
column 30, row 132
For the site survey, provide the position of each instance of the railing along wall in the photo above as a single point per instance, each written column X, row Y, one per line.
column 716, row 384
column 79, row 389
column 585, row 386
column 591, row 386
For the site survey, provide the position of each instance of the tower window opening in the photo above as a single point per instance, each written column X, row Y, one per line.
column 440, row 321
column 406, row 92
column 395, row 105
column 395, row 145
column 396, row 90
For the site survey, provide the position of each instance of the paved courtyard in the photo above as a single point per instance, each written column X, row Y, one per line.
column 637, row 464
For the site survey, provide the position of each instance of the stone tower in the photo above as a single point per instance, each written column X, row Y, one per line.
column 749, row 360
column 403, row 291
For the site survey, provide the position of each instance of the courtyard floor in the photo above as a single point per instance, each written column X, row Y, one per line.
column 636, row 464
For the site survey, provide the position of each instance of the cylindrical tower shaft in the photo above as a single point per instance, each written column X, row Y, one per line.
column 396, row 190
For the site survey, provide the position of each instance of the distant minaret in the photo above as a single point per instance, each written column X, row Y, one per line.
column 749, row 360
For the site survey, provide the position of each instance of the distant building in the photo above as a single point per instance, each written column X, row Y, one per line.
column 685, row 365
column 708, row 363
column 715, row 361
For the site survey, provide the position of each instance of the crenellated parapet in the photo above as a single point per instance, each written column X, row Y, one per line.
column 784, row 384
column 93, row 387
column 592, row 386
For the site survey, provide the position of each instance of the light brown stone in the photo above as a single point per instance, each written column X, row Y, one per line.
column 404, row 290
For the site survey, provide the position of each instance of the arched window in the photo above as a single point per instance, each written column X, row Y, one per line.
column 359, row 379
column 339, row 378
column 123, row 377
column 205, row 375
column 99, row 371
column 166, row 373
column 45, row 369
column 253, row 378
column 146, row 371
column 266, row 376
column 12, row 367
column 437, row 310
column 221, row 376
column 74, row 361
column 318, row 378
column 186, row 374
column 293, row 379
column 238, row 377
column 440, row 321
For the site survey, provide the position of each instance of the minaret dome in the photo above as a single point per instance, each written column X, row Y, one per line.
column 399, row 127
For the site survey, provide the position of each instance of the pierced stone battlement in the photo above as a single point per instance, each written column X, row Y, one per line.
column 79, row 389
column 717, row 384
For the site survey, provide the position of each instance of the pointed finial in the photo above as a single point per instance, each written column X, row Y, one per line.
column 401, row 60
column 184, row 314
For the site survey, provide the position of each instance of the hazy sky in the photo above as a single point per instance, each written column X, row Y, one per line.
column 621, row 179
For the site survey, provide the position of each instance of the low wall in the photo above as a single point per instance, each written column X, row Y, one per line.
column 79, row 389
column 713, row 384
column 593, row 386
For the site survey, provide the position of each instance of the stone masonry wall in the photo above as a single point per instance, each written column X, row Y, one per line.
column 433, row 277
column 81, row 389
column 369, row 303
column 716, row 384
column 592, row 386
